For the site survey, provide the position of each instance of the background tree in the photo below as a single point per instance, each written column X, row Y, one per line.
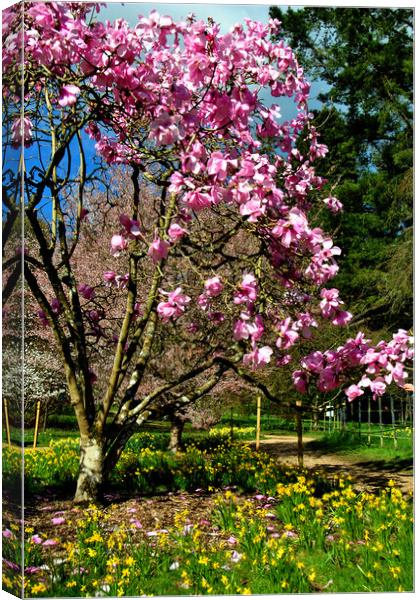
column 364, row 57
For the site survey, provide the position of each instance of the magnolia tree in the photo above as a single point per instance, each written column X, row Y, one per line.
column 220, row 256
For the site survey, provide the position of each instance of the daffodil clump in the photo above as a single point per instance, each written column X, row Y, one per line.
column 144, row 468
column 296, row 540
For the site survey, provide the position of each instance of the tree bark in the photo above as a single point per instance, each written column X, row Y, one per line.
column 91, row 472
column 175, row 436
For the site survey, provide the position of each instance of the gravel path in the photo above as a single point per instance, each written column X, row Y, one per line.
column 370, row 475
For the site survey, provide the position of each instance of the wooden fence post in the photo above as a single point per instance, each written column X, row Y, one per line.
column 299, row 432
column 369, row 420
column 38, row 410
column 6, row 419
column 257, row 441
column 381, row 427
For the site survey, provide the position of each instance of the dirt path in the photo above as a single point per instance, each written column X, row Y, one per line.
column 370, row 475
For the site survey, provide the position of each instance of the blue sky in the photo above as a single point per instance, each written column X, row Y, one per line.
column 225, row 14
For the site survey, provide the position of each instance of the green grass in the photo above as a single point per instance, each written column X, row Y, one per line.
column 44, row 438
column 361, row 449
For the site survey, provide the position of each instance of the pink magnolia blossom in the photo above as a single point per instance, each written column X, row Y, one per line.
column 174, row 307
column 203, row 301
column 304, row 323
column 158, row 250
column 328, row 379
column 283, row 360
column 291, row 230
column 176, row 232
column 288, row 336
column 328, row 250
column 121, row 281
column 192, row 162
column 314, row 362
column 244, row 328
column 330, row 304
column 58, row 520
column 333, row 204
column 164, row 130
column 177, row 182
column 258, row 357
column 68, row 95
column 300, row 381
column 118, row 245
column 253, row 209
column 378, row 386
column 197, row 200
column 109, row 278
column 353, row 392
column 241, row 330
column 342, row 317
column 132, row 226
column 218, row 165
column 86, row 291
column 164, row 95
column 213, row 286
column 247, row 291
column 396, row 373
column 22, row 132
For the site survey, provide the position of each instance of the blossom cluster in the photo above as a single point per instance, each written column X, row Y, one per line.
column 379, row 366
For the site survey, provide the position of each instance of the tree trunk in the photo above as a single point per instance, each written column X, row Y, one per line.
column 91, row 471
column 175, row 436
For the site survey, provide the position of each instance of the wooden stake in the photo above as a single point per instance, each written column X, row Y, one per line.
column 257, row 441
column 38, row 410
column 6, row 418
column 381, row 436
column 299, row 432
column 369, row 409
